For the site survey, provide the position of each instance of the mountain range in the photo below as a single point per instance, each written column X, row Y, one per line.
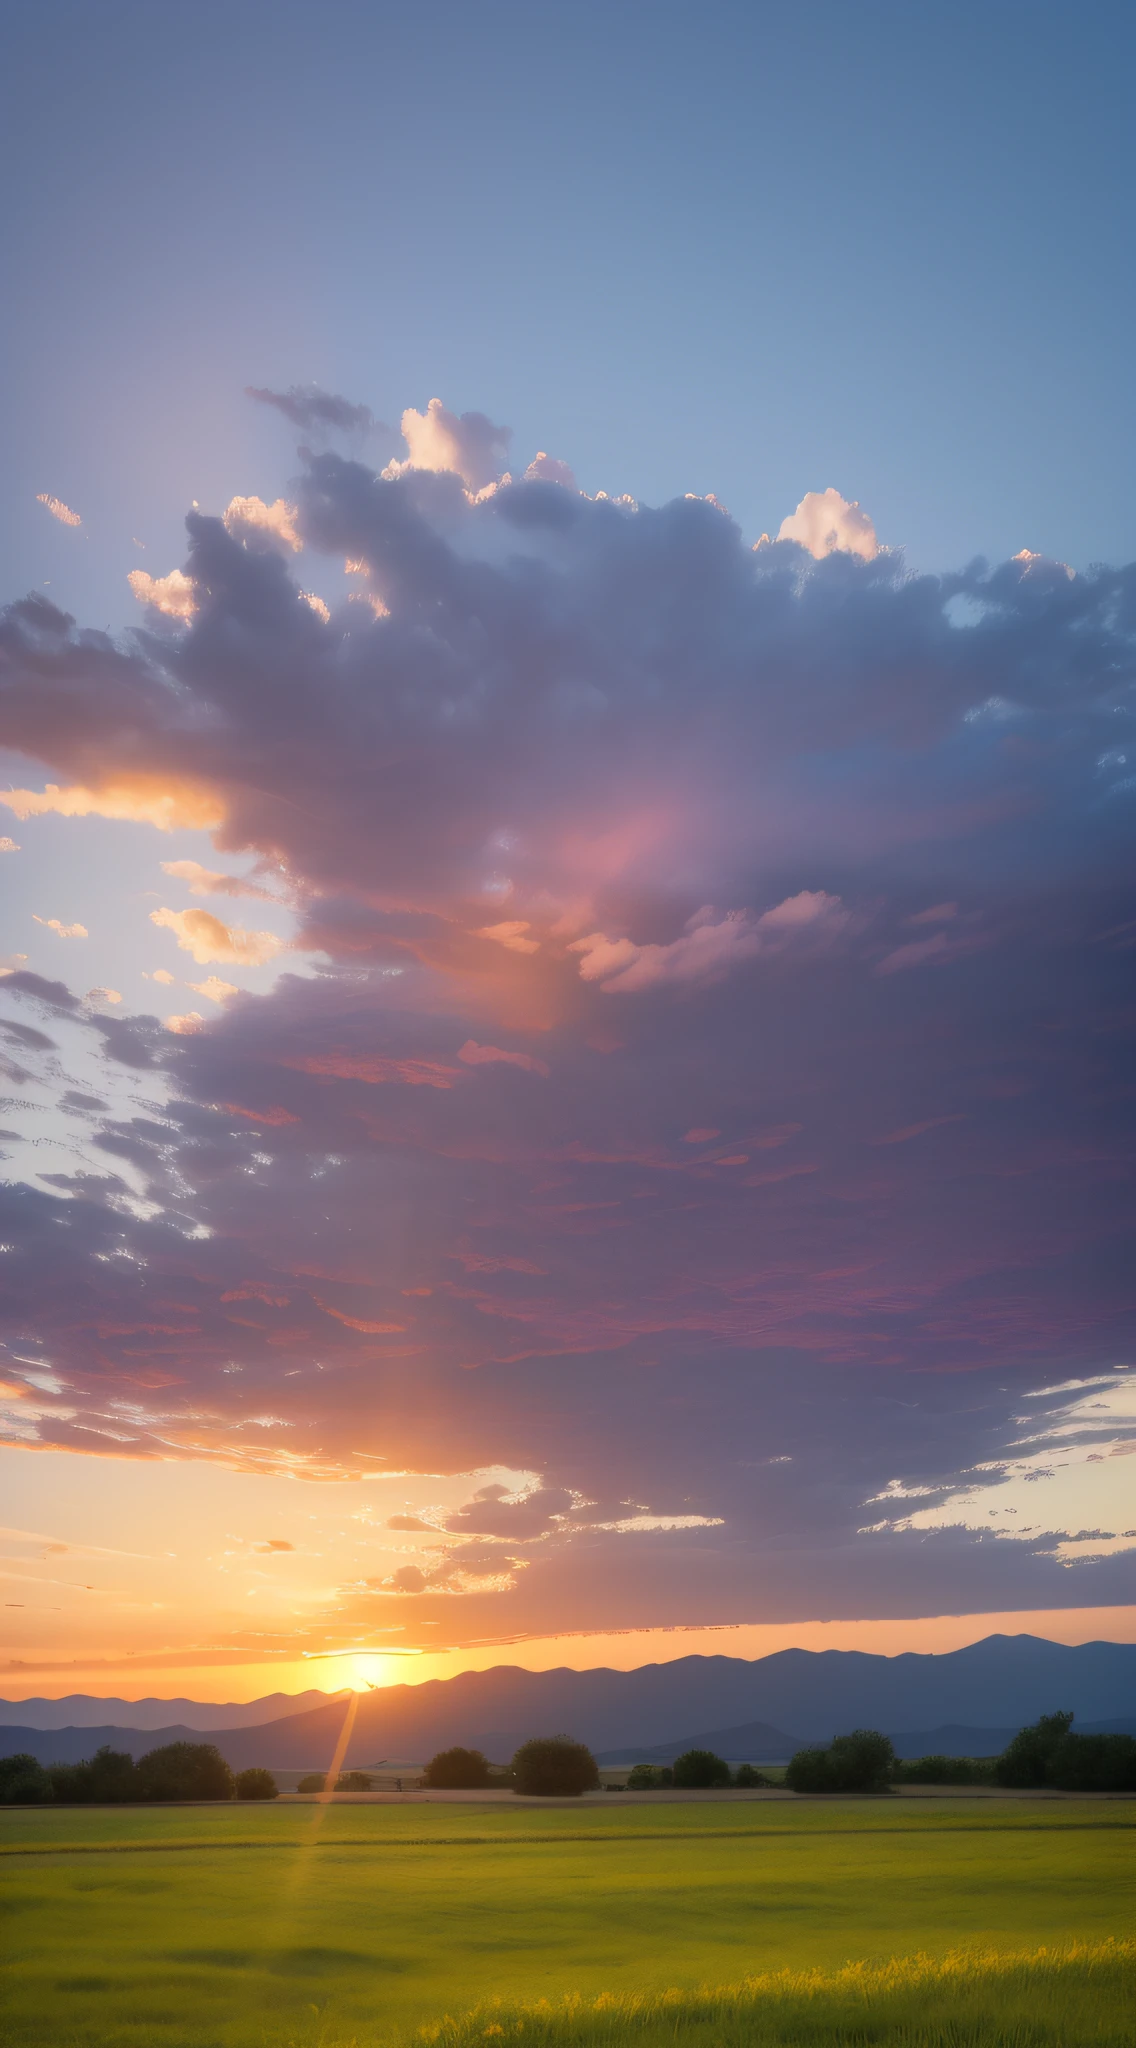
column 771, row 1705
column 80, row 1710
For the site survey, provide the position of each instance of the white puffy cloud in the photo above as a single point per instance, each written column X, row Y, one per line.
column 63, row 931
column 172, row 594
column 9, row 845
column 250, row 519
column 548, row 469
column 200, row 933
column 470, row 445
column 824, row 522
column 187, row 1025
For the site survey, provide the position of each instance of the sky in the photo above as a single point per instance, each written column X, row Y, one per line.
column 566, row 795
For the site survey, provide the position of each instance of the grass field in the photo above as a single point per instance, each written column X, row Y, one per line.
column 213, row 1927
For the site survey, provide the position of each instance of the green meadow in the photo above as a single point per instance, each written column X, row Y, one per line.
column 914, row 1923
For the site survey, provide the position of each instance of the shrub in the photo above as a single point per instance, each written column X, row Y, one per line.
column 1093, row 1763
column 185, row 1770
column 314, row 1782
column 1027, row 1758
column 457, row 1770
column 810, row 1770
column 745, row 1775
column 863, row 1761
column 23, row 1780
column 257, row 1784
column 945, row 1770
column 644, row 1778
column 107, row 1778
column 354, row 1781
column 554, row 1767
column 700, row 1767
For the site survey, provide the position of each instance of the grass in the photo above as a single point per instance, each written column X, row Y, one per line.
column 213, row 1927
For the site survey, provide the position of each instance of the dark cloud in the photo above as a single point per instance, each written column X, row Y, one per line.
column 790, row 925
column 318, row 411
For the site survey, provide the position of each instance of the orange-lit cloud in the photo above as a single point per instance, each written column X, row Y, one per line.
column 173, row 594
column 200, row 933
column 251, row 519
column 166, row 802
column 58, row 509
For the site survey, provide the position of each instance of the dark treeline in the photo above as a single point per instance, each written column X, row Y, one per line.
column 180, row 1770
column 1046, row 1754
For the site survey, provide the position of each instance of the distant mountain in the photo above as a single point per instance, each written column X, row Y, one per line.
column 754, row 1742
column 991, row 1686
column 83, row 1710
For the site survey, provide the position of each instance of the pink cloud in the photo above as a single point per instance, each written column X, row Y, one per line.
column 475, row 1055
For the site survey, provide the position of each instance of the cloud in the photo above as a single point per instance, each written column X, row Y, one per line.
column 214, row 989
column 63, row 931
column 163, row 975
column 174, row 595
column 712, row 945
column 599, row 766
column 470, row 445
column 111, row 996
column 8, row 846
column 252, row 521
column 167, row 804
column 202, row 881
column 58, row 509
column 187, row 1024
column 511, row 934
column 200, row 933
column 547, row 469
column 476, row 1055
column 824, row 522
column 306, row 406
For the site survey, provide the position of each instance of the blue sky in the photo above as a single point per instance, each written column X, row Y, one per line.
column 739, row 249
column 624, row 1038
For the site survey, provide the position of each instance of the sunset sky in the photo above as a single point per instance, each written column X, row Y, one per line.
column 567, row 811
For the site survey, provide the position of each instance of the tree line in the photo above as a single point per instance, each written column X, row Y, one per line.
column 555, row 1766
column 178, row 1770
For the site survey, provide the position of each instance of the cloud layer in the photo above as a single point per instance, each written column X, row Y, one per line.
column 713, row 1090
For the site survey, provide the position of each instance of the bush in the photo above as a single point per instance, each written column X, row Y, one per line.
column 554, row 1767
column 644, row 1778
column 699, row 1768
column 1093, row 1763
column 945, row 1770
column 810, row 1770
column 458, row 1770
column 107, row 1778
column 354, row 1781
column 314, row 1782
column 863, row 1761
column 745, row 1775
column 23, row 1781
column 257, row 1784
column 185, row 1770
column 1026, row 1760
